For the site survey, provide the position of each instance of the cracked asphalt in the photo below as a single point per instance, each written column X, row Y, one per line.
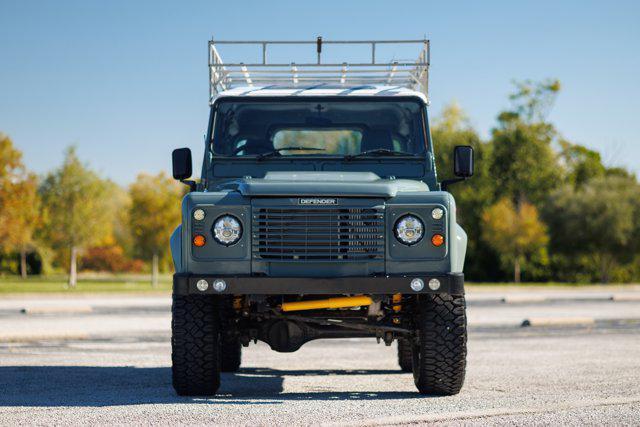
column 573, row 375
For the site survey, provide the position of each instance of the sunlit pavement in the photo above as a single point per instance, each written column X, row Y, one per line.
column 113, row 366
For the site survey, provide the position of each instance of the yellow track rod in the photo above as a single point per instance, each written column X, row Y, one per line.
column 342, row 302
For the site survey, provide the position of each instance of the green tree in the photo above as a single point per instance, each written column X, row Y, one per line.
column 581, row 163
column 74, row 198
column 114, row 251
column 119, row 206
column 19, row 202
column 620, row 172
column 523, row 163
column 599, row 221
column 533, row 100
column 449, row 129
column 155, row 212
column 514, row 231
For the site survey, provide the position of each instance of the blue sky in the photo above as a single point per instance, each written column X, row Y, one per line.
column 127, row 81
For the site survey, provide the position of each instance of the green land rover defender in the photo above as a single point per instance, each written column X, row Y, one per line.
column 318, row 214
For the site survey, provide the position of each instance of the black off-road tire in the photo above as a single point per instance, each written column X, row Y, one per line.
column 440, row 350
column 231, row 355
column 195, row 345
column 405, row 358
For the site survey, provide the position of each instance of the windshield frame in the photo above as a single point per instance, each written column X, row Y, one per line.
column 211, row 156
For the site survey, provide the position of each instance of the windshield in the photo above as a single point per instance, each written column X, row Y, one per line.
column 265, row 128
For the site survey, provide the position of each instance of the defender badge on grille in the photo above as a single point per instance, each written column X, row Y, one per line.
column 317, row 201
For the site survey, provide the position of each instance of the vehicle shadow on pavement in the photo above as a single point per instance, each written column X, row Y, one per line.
column 95, row 386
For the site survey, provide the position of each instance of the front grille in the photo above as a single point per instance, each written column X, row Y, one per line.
column 318, row 233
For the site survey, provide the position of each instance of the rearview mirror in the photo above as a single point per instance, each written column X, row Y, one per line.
column 182, row 168
column 463, row 161
column 462, row 165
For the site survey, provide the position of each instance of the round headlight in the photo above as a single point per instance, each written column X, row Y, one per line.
column 227, row 230
column 409, row 230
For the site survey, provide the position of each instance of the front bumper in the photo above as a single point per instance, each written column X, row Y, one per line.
column 450, row 283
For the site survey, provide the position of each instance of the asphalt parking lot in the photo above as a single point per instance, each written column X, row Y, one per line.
column 110, row 364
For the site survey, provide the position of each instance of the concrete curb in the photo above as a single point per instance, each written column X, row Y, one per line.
column 558, row 321
column 521, row 299
column 77, row 309
column 56, row 336
column 625, row 297
column 532, row 299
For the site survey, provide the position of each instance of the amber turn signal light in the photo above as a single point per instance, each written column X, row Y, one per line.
column 199, row 240
column 437, row 239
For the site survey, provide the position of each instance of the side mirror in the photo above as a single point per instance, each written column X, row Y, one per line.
column 182, row 166
column 462, row 165
column 463, row 161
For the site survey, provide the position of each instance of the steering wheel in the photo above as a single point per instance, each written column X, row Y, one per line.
column 238, row 149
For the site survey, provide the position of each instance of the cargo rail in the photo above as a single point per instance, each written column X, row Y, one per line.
column 408, row 74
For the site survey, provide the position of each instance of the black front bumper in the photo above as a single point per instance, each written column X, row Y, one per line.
column 450, row 283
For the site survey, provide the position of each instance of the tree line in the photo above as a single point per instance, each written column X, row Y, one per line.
column 539, row 207
column 74, row 218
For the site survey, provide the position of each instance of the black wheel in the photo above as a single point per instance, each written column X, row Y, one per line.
column 195, row 345
column 440, row 350
column 405, row 359
column 231, row 354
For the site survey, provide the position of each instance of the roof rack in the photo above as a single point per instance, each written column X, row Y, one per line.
column 409, row 74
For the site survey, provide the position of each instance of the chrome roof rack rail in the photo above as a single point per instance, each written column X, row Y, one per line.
column 410, row 74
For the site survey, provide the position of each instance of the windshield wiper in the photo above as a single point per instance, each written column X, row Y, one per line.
column 379, row 152
column 278, row 150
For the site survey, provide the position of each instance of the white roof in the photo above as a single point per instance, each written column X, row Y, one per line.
column 321, row 90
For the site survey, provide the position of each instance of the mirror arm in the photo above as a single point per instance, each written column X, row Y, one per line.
column 447, row 182
column 190, row 183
